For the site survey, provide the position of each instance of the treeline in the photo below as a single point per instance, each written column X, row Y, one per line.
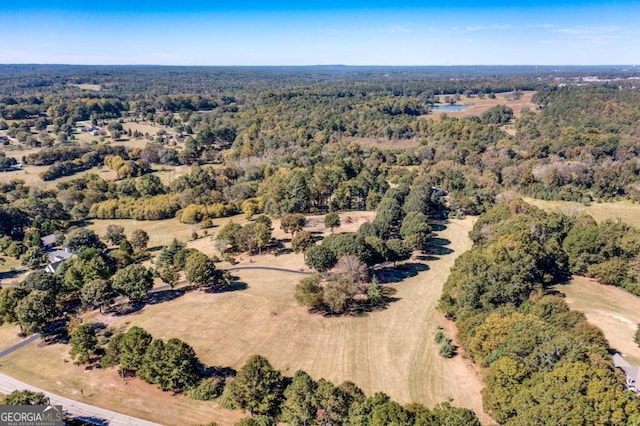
column 546, row 364
column 608, row 252
column 257, row 386
column 157, row 207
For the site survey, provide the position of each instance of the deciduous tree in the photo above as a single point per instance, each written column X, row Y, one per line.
column 115, row 234
column 331, row 221
column 134, row 281
column 302, row 241
column 97, row 294
column 35, row 311
column 139, row 239
column 25, row 397
column 292, row 223
column 200, row 269
column 319, row 258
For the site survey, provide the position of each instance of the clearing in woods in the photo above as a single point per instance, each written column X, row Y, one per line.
column 390, row 350
column 626, row 211
column 615, row 311
column 477, row 106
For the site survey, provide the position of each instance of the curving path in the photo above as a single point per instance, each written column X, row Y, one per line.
column 269, row 268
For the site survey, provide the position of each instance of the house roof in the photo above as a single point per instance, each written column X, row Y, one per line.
column 59, row 255
column 48, row 240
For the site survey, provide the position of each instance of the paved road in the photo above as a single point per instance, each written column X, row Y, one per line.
column 18, row 345
column 269, row 268
column 86, row 412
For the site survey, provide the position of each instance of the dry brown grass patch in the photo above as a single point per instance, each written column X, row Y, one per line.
column 613, row 310
column 391, row 350
column 49, row 367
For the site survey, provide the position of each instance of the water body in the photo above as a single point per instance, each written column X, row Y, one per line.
column 449, row 107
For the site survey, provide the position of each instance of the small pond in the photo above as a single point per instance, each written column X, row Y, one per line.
column 449, row 107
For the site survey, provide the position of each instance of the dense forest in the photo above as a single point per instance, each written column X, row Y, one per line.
column 285, row 142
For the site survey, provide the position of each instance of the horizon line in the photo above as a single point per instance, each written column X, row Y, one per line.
column 313, row 65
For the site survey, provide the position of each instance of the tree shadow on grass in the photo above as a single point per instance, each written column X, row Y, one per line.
column 362, row 308
column 437, row 226
column 11, row 274
column 438, row 246
column 401, row 272
column 164, row 296
column 236, row 285
column 215, row 371
column 152, row 299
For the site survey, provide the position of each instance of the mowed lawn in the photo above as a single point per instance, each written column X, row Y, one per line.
column 613, row 310
column 390, row 350
column 626, row 211
column 161, row 232
column 9, row 336
column 49, row 367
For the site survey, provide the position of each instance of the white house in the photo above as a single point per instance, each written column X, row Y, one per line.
column 56, row 258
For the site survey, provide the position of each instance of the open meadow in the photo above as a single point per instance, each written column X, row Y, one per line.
column 49, row 367
column 9, row 336
column 477, row 106
column 626, row 211
column 615, row 311
column 391, row 350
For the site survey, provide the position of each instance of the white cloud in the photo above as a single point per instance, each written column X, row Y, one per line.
column 473, row 28
column 397, row 29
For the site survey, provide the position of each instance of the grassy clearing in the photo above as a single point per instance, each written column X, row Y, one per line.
column 615, row 311
column 390, row 350
column 31, row 176
column 477, row 106
column 49, row 367
column 87, row 86
column 161, row 232
column 168, row 174
column 626, row 211
column 9, row 335
column 146, row 127
column 8, row 263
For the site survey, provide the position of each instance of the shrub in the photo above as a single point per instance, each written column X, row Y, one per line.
column 447, row 349
column 207, row 389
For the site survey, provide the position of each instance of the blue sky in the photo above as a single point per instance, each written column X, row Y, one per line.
column 199, row 32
